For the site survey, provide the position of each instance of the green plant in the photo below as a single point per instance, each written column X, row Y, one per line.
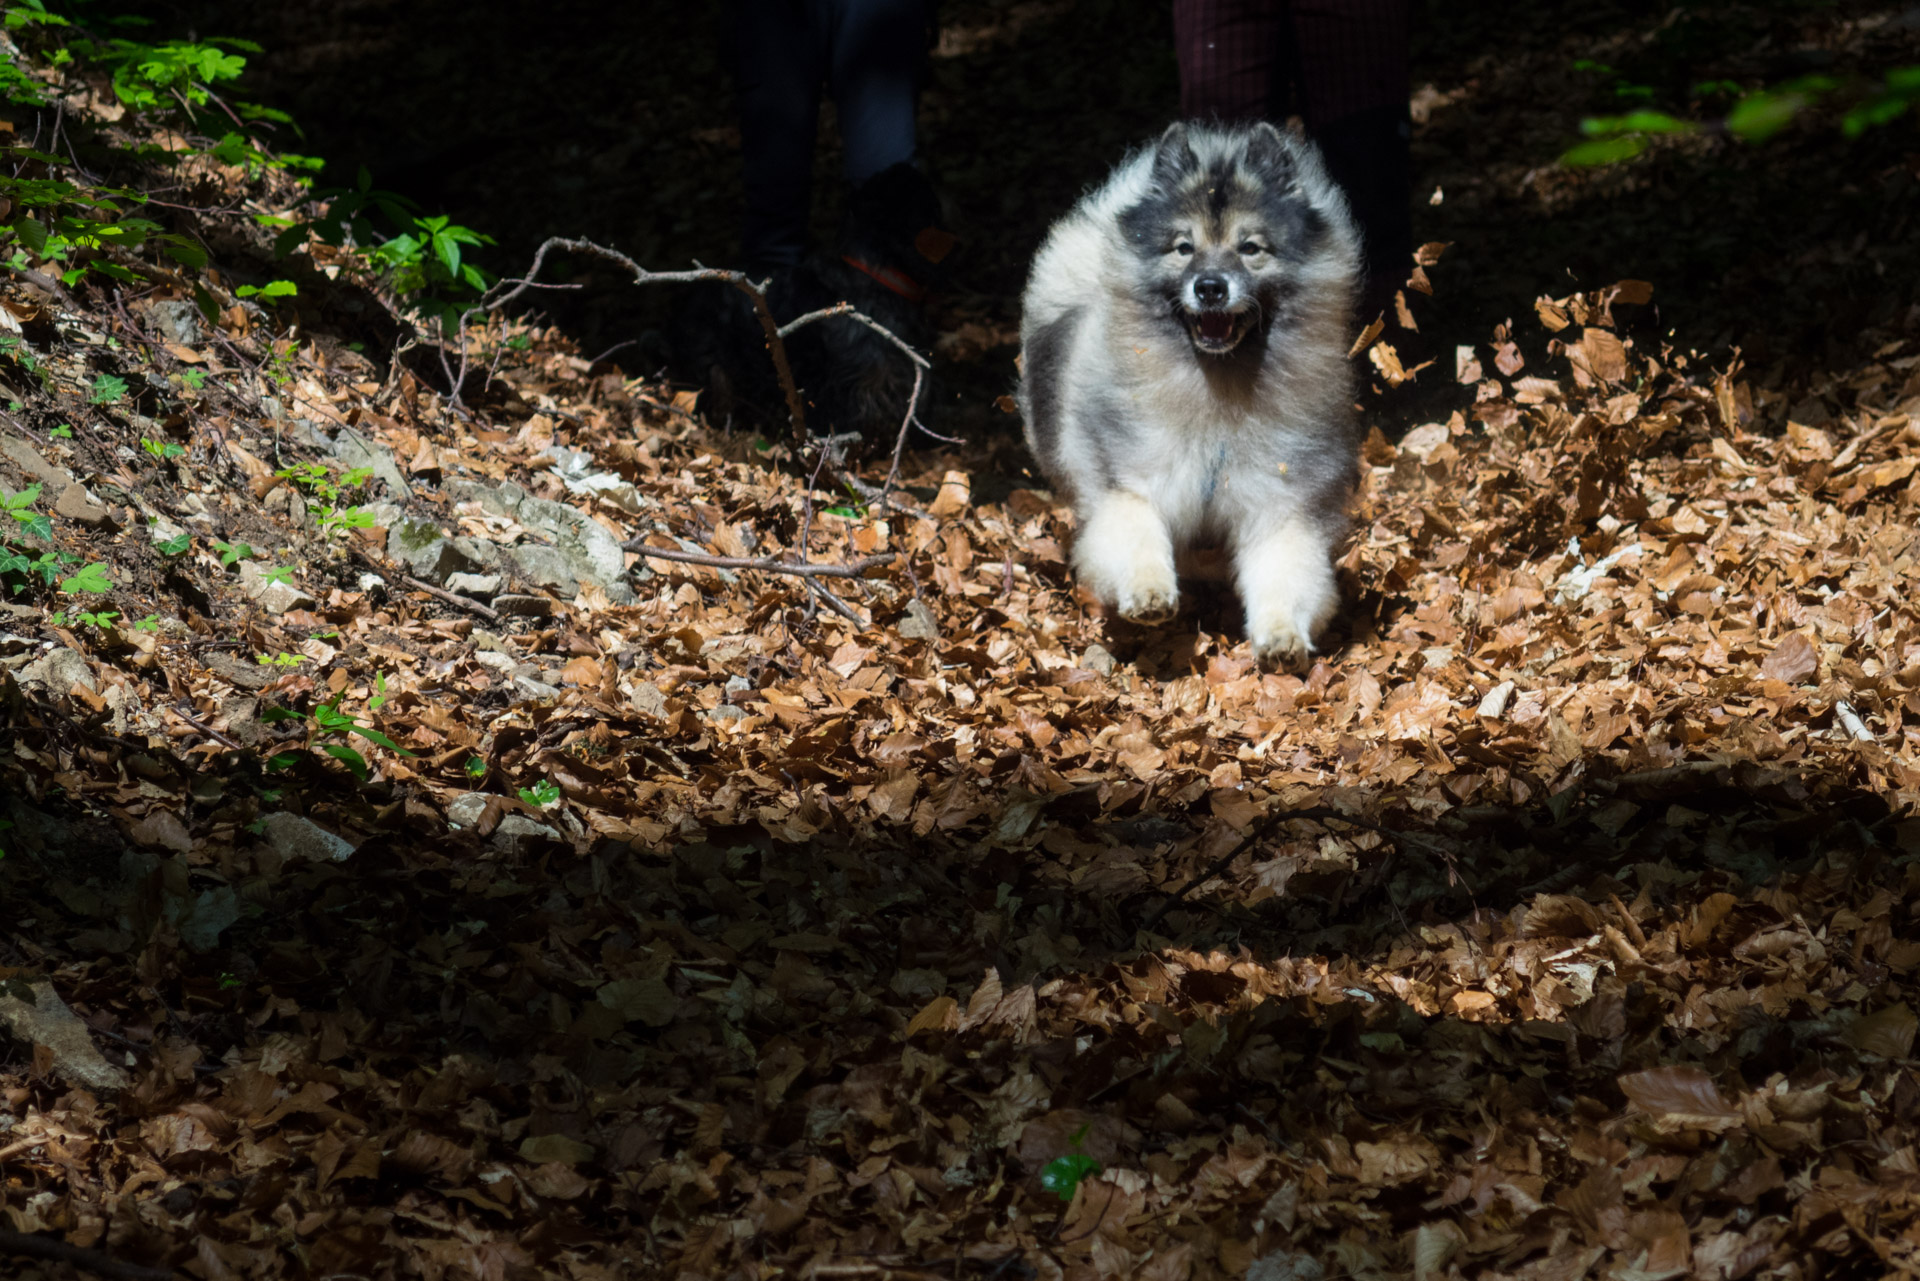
column 19, row 562
column 326, row 492
column 108, row 389
column 231, row 552
column 542, row 794
column 272, row 289
column 151, row 623
column 63, row 432
column 1062, row 1175
column 328, row 722
column 192, row 379
column 175, row 545
column 84, row 618
column 475, row 767
column 1754, row 116
column 163, row 449
column 278, row 574
column 282, row 659
column 93, row 579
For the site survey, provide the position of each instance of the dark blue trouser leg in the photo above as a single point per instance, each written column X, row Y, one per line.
column 779, row 64
column 868, row 54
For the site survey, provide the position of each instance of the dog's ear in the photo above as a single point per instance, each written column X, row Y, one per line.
column 1173, row 158
column 1269, row 155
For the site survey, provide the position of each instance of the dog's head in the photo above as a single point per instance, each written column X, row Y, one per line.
column 1224, row 230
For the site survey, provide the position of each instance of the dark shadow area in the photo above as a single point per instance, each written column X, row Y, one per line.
column 637, row 1001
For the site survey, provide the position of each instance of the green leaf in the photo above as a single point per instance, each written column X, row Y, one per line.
column 272, row 289
column 91, row 579
column 108, row 389
column 174, row 546
column 1063, row 1174
column 273, row 714
column 375, row 736
column 352, row 759
column 1604, row 151
column 541, row 794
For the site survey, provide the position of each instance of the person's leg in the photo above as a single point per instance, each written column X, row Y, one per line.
column 1350, row 60
column 877, row 53
column 1230, row 56
column 779, row 63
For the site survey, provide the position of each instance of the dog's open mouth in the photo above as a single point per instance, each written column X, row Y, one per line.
column 1217, row 332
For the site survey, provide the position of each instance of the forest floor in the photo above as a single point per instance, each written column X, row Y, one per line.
column 1558, row 921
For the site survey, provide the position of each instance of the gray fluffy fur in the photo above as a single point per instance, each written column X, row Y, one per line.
column 1184, row 375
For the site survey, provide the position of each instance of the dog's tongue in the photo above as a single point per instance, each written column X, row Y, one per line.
column 1216, row 326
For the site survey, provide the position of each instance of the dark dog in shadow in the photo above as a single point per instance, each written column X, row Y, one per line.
column 893, row 252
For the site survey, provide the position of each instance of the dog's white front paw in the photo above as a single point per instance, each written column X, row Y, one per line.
column 1286, row 611
column 1282, row 645
column 1149, row 597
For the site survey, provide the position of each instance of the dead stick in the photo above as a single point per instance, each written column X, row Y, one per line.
column 858, row 569
column 453, row 598
column 756, row 293
column 54, row 1250
column 210, row 732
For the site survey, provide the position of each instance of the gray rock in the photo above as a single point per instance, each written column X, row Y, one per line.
column 534, row 691
column 385, row 515
column 58, row 672
column 355, row 450
column 465, row 809
column 162, row 530
column 368, row 582
column 296, row 837
column 1284, row 1265
column 516, row 832
column 523, row 606
column 547, row 567
column 727, row 712
column 479, row 586
column 429, row 554
column 28, row 459
column 274, row 597
column 200, row 918
column 590, row 552
column 496, row 659
column 305, row 432
column 918, row 622
column 177, row 321
column 1097, row 659
column 76, row 503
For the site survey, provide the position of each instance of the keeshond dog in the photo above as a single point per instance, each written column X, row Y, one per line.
column 1184, row 376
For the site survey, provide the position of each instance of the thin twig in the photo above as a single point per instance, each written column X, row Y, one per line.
column 833, row 602
column 54, row 1250
column 802, row 569
column 212, row 733
column 1851, row 722
column 487, row 612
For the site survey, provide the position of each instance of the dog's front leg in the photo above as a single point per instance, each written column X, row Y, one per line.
column 1285, row 573
column 1124, row 554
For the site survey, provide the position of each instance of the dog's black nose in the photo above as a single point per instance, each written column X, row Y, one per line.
column 1210, row 290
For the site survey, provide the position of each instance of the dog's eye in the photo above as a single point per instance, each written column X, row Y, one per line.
column 1183, row 249
column 1250, row 248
